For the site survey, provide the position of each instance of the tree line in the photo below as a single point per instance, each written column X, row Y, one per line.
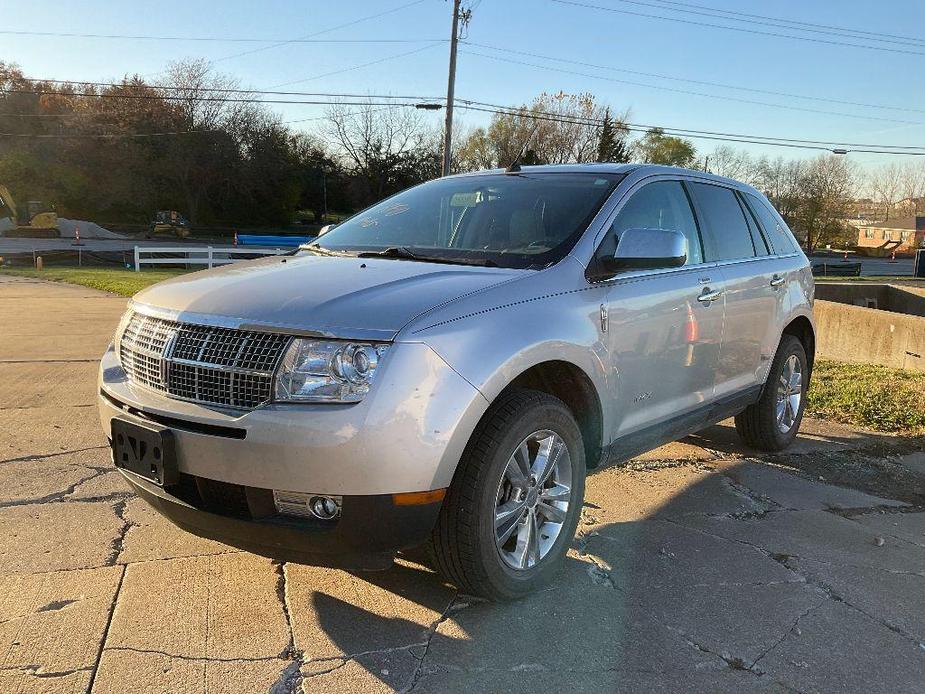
column 118, row 153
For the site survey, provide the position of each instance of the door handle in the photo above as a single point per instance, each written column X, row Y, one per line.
column 709, row 297
column 777, row 281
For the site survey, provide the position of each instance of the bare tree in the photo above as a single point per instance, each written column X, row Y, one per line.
column 912, row 185
column 475, row 152
column 827, row 188
column 734, row 163
column 885, row 184
column 199, row 94
column 555, row 129
column 375, row 142
column 204, row 110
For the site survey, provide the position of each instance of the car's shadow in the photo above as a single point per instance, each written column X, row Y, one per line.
column 676, row 598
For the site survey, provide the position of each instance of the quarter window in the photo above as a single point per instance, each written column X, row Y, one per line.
column 661, row 205
column 774, row 231
column 726, row 235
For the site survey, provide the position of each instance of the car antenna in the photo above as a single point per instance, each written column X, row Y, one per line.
column 514, row 166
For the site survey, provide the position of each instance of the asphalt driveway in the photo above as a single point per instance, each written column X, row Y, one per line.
column 698, row 568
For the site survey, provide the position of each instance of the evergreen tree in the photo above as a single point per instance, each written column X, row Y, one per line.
column 612, row 144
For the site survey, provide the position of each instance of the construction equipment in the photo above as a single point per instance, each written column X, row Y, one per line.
column 169, row 222
column 40, row 220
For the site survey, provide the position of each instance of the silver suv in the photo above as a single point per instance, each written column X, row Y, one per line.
column 443, row 368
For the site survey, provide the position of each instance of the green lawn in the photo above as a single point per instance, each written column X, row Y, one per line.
column 875, row 397
column 117, row 280
column 872, row 278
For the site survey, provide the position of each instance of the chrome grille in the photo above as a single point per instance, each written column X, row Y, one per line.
column 200, row 363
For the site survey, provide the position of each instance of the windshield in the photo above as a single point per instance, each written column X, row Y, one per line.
column 520, row 220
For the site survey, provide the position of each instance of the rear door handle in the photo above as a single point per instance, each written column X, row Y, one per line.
column 777, row 281
column 709, row 297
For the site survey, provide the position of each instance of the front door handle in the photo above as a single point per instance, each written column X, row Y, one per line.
column 777, row 281
column 709, row 297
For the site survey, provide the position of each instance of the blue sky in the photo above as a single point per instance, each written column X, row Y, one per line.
column 541, row 27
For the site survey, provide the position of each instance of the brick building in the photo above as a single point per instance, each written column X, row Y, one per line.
column 904, row 234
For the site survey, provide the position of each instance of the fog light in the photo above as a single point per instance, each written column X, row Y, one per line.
column 324, row 507
column 307, row 505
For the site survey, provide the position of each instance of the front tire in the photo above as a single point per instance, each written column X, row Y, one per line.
column 512, row 509
column 772, row 423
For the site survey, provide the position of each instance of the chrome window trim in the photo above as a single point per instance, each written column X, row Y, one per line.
column 618, row 200
column 617, row 206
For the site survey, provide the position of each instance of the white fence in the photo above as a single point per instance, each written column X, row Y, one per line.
column 198, row 255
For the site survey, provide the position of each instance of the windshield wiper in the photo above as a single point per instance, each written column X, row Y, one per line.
column 405, row 253
column 391, row 252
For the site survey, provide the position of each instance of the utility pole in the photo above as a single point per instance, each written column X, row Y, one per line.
column 450, row 91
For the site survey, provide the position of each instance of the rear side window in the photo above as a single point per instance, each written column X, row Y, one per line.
column 781, row 240
column 661, row 205
column 726, row 235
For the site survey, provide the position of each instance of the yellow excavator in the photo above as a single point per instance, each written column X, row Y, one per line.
column 168, row 222
column 39, row 220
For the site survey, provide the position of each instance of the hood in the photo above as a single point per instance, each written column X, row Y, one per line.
column 356, row 298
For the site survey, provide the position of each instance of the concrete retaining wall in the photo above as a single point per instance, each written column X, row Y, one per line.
column 869, row 336
column 886, row 297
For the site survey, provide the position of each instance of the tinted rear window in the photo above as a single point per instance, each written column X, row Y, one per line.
column 778, row 236
column 725, row 230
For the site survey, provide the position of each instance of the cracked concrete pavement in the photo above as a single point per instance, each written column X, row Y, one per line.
column 697, row 567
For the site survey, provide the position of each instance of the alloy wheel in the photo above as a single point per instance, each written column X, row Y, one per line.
column 789, row 394
column 533, row 499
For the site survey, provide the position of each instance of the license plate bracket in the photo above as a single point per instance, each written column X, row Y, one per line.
column 147, row 449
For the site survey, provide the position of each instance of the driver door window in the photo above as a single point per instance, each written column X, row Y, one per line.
column 661, row 205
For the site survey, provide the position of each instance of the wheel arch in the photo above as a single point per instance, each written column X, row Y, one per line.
column 573, row 386
column 802, row 329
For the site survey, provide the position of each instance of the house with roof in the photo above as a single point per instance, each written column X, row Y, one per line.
column 903, row 235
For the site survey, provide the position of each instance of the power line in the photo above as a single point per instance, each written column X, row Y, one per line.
column 359, row 66
column 216, row 39
column 670, row 131
column 770, row 22
column 170, row 97
column 739, row 29
column 588, row 120
column 488, row 108
column 693, row 93
column 721, row 85
column 347, row 115
column 353, row 22
column 791, row 21
column 215, row 90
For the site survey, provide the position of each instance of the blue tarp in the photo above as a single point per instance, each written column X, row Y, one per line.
column 272, row 241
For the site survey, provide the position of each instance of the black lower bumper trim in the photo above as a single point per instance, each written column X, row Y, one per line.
column 366, row 536
column 182, row 424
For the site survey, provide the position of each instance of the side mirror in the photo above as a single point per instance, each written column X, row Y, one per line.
column 325, row 229
column 648, row 249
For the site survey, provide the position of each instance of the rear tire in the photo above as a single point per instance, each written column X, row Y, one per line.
column 772, row 423
column 504, row 495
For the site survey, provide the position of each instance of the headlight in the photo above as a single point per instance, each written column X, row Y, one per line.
column 327, row 371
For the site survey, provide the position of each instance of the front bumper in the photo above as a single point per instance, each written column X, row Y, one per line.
column 366, row 536
column 407, row 435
